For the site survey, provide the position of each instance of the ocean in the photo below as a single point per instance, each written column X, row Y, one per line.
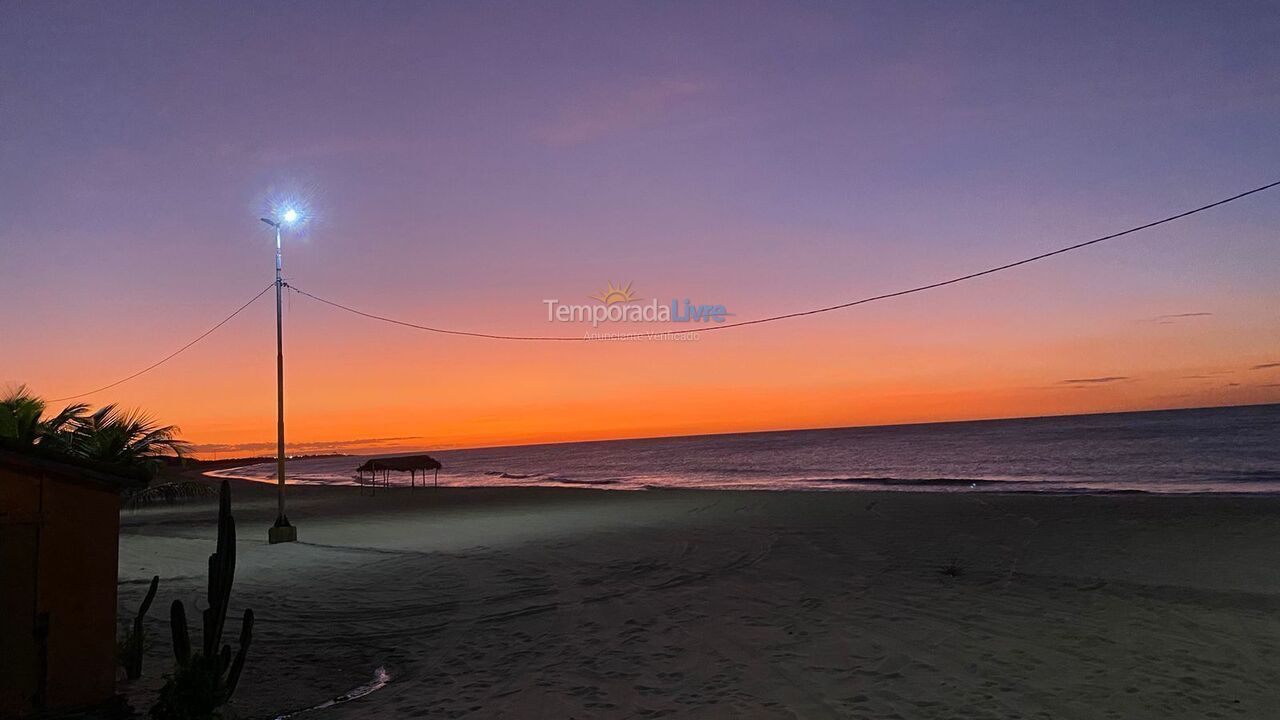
column 1209, row 450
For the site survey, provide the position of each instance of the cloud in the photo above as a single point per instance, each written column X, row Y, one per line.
column 1207, row 375
column 300, row 447
column 617, row 110
column 1095, row 380
column 1264, row 366
column 1168, row 319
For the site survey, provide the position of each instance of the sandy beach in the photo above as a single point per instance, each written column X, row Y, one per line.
column 565, row 603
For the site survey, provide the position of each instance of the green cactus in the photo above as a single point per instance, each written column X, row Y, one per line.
column 134, row 644
column 204, row 681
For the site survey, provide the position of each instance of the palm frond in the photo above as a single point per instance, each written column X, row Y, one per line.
column 20, row 414
column 22, row 418
column 127, row 438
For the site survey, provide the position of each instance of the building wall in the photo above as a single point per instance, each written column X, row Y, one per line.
column 19, row 530
column 73, row 554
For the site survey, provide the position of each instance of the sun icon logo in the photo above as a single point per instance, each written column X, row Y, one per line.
column 615, row 294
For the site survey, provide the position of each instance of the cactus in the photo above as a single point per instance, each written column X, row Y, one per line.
column 204, row 681
column 133, row 644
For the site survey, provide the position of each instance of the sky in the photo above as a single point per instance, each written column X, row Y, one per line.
column 460, row 163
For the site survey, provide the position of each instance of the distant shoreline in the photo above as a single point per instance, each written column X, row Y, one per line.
column 902, row 489
column 1211, row 451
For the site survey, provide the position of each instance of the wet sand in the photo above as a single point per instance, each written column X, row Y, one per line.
column 567, row 603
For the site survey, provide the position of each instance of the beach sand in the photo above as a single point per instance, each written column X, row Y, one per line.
column 567, row 603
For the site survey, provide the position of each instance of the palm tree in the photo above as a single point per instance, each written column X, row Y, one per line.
column 127, row 439
column 133, row 439
column 22, row 420
column 124, row 438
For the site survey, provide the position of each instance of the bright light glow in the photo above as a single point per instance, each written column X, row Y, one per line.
column 290, row 215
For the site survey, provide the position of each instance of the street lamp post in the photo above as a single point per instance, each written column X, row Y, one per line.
column 282, row 531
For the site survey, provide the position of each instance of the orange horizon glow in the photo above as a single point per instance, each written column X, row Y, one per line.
column 384, row 388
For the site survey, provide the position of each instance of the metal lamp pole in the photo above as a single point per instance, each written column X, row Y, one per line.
column 282, row 531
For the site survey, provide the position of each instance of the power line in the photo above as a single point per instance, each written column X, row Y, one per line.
column 758, row 321
column 442, row 331
column 802, row 313
column 171, row 355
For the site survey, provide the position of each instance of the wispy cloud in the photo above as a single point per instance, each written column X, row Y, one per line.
column 1175, row 317
column 1095, row 380
column 1264, row 366
column 302, row 446
column 616, row 110
column 1206, row 375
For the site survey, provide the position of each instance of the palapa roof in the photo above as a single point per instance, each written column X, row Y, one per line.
column 403, row 463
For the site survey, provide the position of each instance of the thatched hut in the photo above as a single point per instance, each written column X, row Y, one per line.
column 412, row 464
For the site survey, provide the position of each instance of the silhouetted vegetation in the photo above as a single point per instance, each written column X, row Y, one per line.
column 128, row 442
column 204, row 681
column 133, row 645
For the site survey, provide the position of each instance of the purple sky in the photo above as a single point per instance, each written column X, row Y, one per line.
column 466, row 160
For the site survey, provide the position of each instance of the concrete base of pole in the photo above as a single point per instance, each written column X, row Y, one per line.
column 282, row 534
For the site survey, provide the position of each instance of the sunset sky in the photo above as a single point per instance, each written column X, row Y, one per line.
column 463, row 162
